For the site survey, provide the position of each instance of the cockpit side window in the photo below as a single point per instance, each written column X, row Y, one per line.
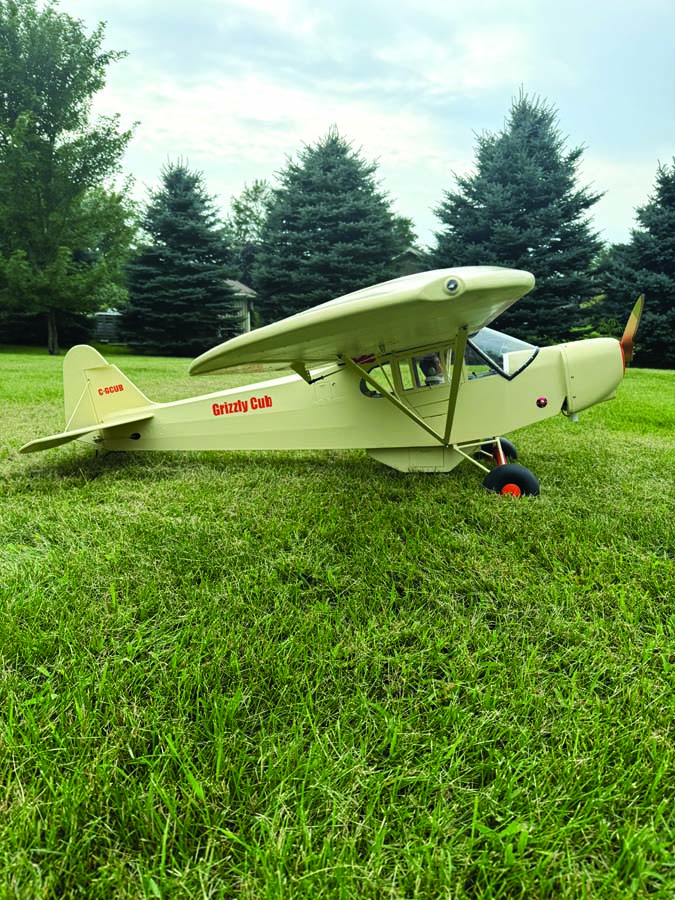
column 431, row 368
column 415, row 373
column 476, row 366
column 427, row 371
column 410, row 375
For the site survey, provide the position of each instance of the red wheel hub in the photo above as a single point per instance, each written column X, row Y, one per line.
column 511, row 489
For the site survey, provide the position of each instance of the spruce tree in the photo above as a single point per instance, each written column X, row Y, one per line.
column 522, row 208
column 179, row 301
column 646, row 265
column 330, row 230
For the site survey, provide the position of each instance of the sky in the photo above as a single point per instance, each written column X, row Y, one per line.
column 236, row 87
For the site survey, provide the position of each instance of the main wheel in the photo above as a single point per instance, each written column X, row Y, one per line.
column 512, row 479
column 508, row 449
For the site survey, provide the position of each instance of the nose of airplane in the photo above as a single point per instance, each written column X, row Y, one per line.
column 594, row 368
column 593, row 371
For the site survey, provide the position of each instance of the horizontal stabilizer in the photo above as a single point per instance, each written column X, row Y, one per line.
column 55, row 440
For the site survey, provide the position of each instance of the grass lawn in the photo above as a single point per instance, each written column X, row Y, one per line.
column 303, row 675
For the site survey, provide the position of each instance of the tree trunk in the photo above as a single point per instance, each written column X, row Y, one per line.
column 52, row 334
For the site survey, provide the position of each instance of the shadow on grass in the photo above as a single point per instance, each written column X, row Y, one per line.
column 337, row 473
column 266, row 465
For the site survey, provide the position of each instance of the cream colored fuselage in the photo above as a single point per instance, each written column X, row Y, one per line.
column 334, row 412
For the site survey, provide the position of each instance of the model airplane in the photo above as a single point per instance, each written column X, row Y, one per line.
column 407, row 369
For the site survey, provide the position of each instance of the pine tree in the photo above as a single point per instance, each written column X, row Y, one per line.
column 330, row 230
column 179, row 301
column 522, row 208
column 646, row 265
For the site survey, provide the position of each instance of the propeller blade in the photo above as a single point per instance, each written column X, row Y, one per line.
column 628, row 340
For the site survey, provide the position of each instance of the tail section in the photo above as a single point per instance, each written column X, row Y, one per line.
column 95, row 391
column 96, row 395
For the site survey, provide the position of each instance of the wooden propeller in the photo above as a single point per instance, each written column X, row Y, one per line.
column 628, row 340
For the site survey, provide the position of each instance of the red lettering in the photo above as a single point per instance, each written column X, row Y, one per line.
column 241, row 406
column 261, row 402
column 227, row 408
column 111, row 389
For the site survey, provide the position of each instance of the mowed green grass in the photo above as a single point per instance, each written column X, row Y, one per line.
column 303, row 675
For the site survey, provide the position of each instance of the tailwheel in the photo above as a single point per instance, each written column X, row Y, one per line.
column 513, row 480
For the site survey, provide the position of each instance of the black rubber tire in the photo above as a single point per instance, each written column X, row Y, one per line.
column 509, row 449
column 512, row 479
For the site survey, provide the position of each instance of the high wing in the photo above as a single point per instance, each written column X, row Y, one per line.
column 421, row 310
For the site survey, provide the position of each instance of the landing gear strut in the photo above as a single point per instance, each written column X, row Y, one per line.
column 508, row 449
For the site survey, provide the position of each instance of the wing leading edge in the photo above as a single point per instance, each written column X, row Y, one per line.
column 414, row 311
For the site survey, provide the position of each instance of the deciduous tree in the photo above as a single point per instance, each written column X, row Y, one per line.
column 63, row 230
column 246, row 222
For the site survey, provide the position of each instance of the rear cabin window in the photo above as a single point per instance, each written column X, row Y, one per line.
column 384, row 378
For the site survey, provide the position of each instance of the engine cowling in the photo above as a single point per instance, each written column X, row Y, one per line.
column 593, row 371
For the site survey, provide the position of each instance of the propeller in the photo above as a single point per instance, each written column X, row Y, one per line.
column 628, row 340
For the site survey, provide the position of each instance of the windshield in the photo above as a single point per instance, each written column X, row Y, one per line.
column 503, row 354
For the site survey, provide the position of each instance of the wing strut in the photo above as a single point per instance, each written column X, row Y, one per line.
column 458, row 362
column 392, row 398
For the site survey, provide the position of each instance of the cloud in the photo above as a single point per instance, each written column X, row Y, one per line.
column 235, row 86
column 474, row 59
column 628, row 184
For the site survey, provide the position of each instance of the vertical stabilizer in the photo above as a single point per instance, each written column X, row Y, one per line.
column 95, row 391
